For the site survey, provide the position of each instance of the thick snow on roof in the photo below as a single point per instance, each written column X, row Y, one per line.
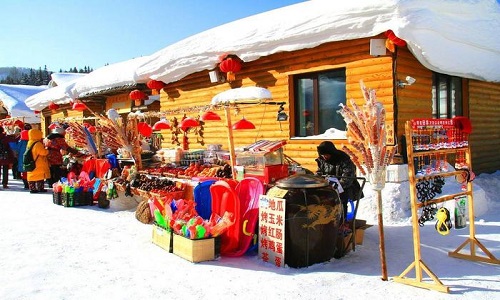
column 105, row 78
column 453, row 37
column 62, row 78
column 14, row 97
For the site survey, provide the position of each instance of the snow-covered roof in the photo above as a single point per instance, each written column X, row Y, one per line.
column 14, row 97
column 110, row 77
column 62, row 78
column 453, row 37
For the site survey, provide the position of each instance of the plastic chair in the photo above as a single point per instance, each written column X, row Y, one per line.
column 225, row 199
column 203, row 199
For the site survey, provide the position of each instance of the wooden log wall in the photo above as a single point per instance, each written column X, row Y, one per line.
column 413, row 101
column 484, row 112
column 275, row 73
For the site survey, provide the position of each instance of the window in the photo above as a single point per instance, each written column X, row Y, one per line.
column 446, row 96
column 317, row 98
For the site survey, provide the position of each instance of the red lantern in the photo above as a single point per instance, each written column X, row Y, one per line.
column 53, row 107
column 160, row 125
column 230, row 65
column 144, row 129
column 392, row 40
column 137, row 96
column 37, row 112
column 79, row 106
column 155, row 86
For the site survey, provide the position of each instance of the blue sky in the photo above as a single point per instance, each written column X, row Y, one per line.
column 63, row 34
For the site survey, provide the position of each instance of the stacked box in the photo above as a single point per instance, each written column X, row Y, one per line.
column 196, row 250
column 57, row 198
column 73, row 199
column 163, row 238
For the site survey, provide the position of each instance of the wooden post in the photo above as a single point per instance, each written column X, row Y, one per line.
column 230, row 139
column 381, row 235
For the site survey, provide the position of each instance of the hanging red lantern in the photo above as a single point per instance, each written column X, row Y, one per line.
column 137, row 96
column 53, row 107
column 392, row 40
column 79, row 106
column 36, row 112
column 155, row 86
column 188, row 123
column 231, row 64
column 160, row 125
column 210, row 116
column 144, row 129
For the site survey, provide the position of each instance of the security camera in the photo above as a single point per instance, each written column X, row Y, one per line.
column 410, row 80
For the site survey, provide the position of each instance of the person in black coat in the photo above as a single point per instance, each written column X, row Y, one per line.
column 334, row 162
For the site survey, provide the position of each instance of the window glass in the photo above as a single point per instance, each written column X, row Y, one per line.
column 317, row 99
column 446, row 96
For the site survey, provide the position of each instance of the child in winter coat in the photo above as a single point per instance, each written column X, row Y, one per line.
column 37, row 177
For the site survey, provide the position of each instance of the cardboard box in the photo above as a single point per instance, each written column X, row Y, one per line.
column 163, row 238
column 361, row 226
column 196, row 250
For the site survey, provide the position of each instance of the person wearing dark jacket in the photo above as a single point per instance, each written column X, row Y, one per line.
column 7, row 156
column 334, row 162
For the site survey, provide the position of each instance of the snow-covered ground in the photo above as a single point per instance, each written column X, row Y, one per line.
column 52, row 252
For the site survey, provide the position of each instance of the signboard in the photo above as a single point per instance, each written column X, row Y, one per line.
column 272, row 230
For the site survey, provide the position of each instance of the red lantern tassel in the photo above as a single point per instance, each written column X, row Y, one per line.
column 231, row 76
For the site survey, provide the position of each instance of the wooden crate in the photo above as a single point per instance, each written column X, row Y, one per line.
column 196, row 250
column 162, row 238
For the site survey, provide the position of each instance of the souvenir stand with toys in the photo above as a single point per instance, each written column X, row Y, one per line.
column 433, row 145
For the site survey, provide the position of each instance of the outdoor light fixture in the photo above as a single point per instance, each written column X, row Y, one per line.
column 210, row 116
column 243, row 124
column 188, row 123
column 409, row 81
column 282, row 116
column 160, row 125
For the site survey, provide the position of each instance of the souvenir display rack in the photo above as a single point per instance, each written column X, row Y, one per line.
column 431, row 143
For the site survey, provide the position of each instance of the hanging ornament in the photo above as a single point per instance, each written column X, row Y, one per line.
column 138, row 96
column 155, row 86
column 53, row 107
column 230, row 64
